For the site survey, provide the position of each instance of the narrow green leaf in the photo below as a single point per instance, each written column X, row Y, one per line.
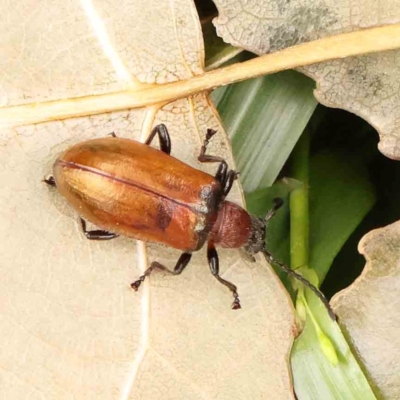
column 341, row 194
column 265, row 117
column 316, row 373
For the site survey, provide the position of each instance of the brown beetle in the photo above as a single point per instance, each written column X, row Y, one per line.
column 129, row 188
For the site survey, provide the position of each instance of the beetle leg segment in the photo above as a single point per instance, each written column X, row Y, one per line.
column 225, row 177
column 181, row 264
column 220, row 176
column 213, row 262
column 163, row 137
column 97, row 234
column 227, row 185
column 50, row 181
column 203, row 157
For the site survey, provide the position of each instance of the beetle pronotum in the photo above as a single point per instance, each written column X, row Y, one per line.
column 129, row 188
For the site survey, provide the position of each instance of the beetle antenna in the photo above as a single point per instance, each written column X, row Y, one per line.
column 271, row 259
column 278, row 203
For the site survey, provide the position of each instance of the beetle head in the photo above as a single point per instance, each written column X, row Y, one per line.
column 256, row 240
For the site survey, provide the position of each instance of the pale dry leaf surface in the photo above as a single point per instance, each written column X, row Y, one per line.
column 71, row 327
column 52, row 50
column 369, row 310
column 367, row 85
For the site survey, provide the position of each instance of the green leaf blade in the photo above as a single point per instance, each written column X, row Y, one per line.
column 315, row 377
column 265, row 117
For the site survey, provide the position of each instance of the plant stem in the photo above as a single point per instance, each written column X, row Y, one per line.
column 299, row 214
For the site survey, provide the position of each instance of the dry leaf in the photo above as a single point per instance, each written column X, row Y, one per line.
column 369, row 310
column 71, row 327
column 366, row 85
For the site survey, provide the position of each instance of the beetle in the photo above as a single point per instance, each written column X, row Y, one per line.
column 129, row 188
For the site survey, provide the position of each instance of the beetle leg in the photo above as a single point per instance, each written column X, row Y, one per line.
column 181, row 264
column 203, row 157
column 50, row 181
column 112, row 134
column 97, row 234
column 225, row 177
column 163, row 137
column 220, row 176
column 227, row 185
column 213, row 262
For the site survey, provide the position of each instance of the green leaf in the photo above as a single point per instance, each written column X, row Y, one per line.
column 265, row 117
column 340, row 197
column 341, row 194
column 318, row 375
